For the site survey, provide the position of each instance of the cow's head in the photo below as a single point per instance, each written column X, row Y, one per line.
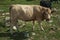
column 47, row 14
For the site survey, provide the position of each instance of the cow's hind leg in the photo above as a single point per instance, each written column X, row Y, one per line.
column 13, row 25
column 17, row 27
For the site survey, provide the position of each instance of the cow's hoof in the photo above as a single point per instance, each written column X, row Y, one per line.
column 22, row 26
column 8, row 30
column 42, row 29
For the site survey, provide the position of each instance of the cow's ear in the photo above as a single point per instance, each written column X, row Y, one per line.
column 49, row 11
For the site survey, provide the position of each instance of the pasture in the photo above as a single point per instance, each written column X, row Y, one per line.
column 51, row 32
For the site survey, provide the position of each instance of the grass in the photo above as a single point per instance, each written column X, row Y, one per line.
column 48, row 34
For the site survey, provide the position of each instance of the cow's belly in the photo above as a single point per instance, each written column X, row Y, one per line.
column 25, row 17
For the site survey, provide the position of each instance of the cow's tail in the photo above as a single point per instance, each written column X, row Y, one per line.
column 10, row 14
column 10, row 10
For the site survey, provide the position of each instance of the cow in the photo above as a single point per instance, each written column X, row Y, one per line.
column 28, row 13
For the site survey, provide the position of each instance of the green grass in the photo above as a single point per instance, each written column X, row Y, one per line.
column 4, row 5
column 48, row 34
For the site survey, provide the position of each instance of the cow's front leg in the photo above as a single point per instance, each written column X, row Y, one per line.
column 40, row 25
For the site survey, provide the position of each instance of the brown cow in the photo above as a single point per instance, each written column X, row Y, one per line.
column 28, row 13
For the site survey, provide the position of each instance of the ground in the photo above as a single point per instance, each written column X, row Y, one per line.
column 51, row 32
